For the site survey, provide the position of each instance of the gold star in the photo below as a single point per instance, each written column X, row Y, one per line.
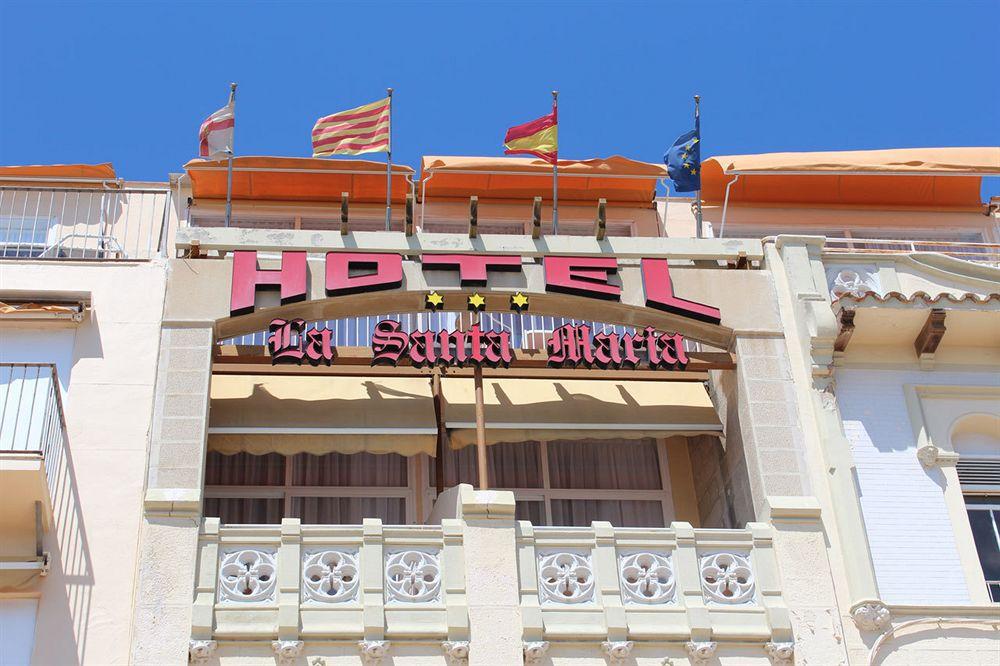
column 477, row 303
column 434, row 301
column 519, row 302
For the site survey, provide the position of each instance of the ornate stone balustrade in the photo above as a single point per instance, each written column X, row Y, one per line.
column 294, row 582
column 676, row 583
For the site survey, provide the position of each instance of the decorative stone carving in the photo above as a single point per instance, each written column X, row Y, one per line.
column 726, row 578
column 535, row 651
column 617, row 651
column 780, row 653
column 286, row 651
column 412, row 576
column 456, row 651
column 871, row 616
column 565, row 578
column 854, row 280
column 247, row 575
column 372, row 652
column 646, row 578
column 700, row 651
column 330, row 576
column 933, row 456
column 199, row 652
column 317, row 661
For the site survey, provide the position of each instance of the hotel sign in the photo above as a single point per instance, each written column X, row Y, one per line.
column 346, row 273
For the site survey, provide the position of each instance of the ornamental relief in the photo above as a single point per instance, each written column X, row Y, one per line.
column 565, row 578
column 646, row 578
column 247, row 575
column 330, row 576
column 412, row 576
column 727, row 578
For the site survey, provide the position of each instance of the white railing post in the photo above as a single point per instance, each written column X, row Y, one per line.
column 765, row 566
column 454, row 583
column 206, row 580
column 531, row 611
column 372, row 561
column 605, row 561
column 688, row 572
column 289, row 578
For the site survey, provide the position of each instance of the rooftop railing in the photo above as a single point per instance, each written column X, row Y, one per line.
column 982, row 253
column 31, row 413
column 77, row 223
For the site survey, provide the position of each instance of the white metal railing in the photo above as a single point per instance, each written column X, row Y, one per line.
column 368, row 581
column 76, row 223
column 657, row 583
column 31, row 413
column 986, row 253
column 528, row 331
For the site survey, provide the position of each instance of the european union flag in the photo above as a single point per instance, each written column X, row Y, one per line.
column 684, row 160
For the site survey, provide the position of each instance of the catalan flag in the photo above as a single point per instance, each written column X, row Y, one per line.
column 539, row 137
column 355, row 131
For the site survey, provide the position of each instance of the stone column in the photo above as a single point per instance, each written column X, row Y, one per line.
column 172, row 505
column 806, row 584
column 491, row 577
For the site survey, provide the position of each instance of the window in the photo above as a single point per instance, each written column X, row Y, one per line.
column 573, row 483
column 326, row 489
column 24, row 237
column 984, row 517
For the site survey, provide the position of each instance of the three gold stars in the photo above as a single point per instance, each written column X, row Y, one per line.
column 476, row 301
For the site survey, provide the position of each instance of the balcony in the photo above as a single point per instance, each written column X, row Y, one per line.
column 373, row 584
column 32, row 437
column 82, row 223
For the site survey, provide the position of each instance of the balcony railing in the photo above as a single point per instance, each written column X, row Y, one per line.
column 984, row 253
column 336, row 581
column 31, row 413
column 63, row 223
column 658, row 583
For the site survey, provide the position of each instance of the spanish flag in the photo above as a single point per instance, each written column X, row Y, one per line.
column 539, row 137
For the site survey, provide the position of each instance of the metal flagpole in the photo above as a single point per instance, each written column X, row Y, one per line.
column 229, row 171
column 697, row 125
column 477, row 376
column 388, row 170
column 555, row 169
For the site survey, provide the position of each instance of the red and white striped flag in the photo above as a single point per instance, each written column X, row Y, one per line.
column 355, row 131
column 216, row 134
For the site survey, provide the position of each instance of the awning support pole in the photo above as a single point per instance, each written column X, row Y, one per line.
column 484, row 482
column 725, row 206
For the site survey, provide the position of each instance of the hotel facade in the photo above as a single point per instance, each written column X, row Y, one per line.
column 768, row 434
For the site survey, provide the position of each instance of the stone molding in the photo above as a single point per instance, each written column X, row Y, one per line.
column 535, row 651
column 700, row 651
column 286, row 652
column 871, row 615
column 457, row 652
column 372, row 652
column 933, row 456
column 200, row 651
column 617, row 651
column 781, row 654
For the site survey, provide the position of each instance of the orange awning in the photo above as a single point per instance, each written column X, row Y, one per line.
column 918, row 177
column 298, row 179
column 56, row 171
column 617, row 179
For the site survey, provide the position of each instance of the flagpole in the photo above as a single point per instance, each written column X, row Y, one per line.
column 388, row 170
column 229, row 170
column 555, row 170
column 697, row 194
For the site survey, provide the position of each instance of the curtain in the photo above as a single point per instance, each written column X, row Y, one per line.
column 348, row 510
column 245, row 510
column 516, row 465
column 244, row 469
column 604, row 465
column 620, row 513
column 358, row 469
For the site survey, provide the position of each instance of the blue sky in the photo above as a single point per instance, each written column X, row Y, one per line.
column 130, row 82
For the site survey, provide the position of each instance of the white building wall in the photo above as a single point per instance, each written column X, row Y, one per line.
column 107, row 368
column 911, row 536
